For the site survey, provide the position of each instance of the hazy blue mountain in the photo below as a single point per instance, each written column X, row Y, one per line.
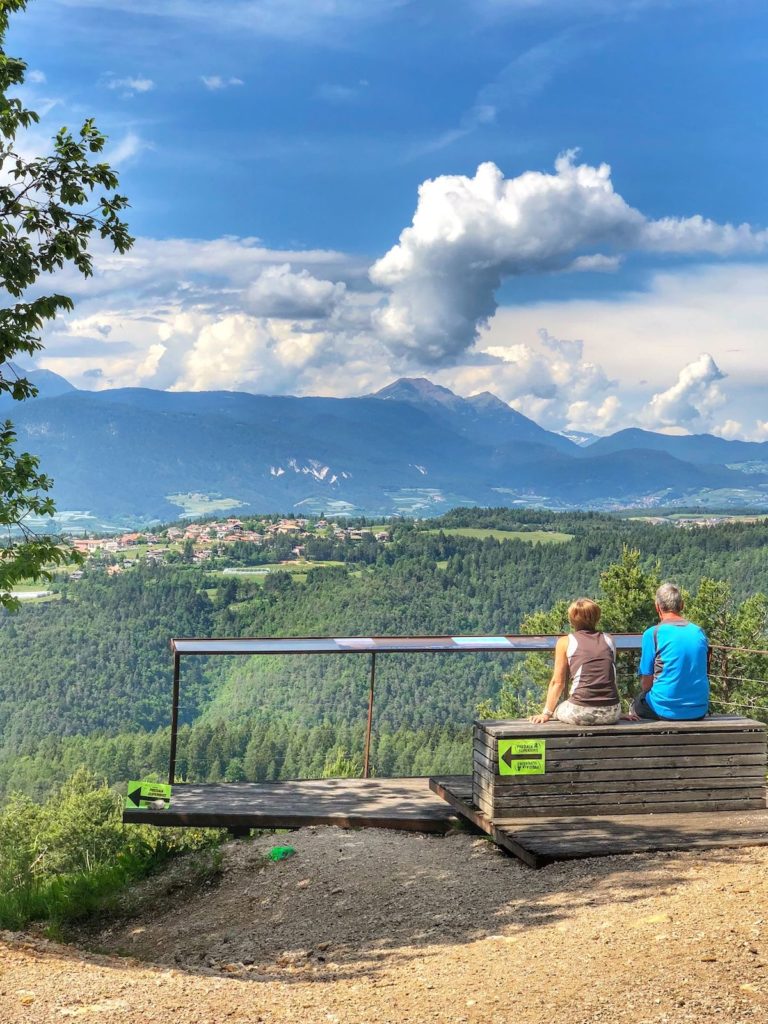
column 127, row 454
column 48, row 383
column 700, row 448
column 483, row 417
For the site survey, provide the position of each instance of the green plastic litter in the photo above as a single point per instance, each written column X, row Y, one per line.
column 281, row 852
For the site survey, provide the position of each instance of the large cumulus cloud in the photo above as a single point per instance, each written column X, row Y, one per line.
column 468, row 234
column 691, row 400
column 231, row 313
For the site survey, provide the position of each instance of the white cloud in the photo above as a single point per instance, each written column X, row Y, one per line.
column 594, row 418
column 675, row 315
column 35, row 77
column 699, row 234
column 215, row 82
column 126, row 149
column 733, row 430
column 246, row 354
column 468, row 234
column 231, row 313
column 691, row 400
column 729, row 430
column 553, row 369
column 598, row 263
column 548, row 379
column 280, row 292
column 225, row 313
column 191, row 270
column 130, row 86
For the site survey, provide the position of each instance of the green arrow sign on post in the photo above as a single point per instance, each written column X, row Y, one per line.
column 522, row 757
column 156, row 795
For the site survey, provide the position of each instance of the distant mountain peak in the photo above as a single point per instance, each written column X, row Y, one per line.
column 48, row 383
column 418, row 389
column 487, row 400
column 484, row 417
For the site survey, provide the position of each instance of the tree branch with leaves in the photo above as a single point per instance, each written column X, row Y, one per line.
column 52, row 209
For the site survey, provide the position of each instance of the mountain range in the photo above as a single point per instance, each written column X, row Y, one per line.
column 132, row 455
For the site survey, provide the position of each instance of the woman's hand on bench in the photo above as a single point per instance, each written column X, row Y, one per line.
column 541, row 719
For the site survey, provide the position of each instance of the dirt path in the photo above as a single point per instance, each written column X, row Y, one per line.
column 373, row 927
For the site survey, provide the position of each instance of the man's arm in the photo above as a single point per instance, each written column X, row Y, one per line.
column 647, row 664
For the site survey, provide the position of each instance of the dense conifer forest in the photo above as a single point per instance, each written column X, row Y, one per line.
column 85, row 679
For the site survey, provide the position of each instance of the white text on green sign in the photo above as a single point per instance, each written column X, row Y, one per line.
column 522, row 757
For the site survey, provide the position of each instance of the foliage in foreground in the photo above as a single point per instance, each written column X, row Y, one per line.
column 70, row 857
column 52, row 209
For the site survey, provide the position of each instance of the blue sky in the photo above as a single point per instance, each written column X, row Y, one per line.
column 273, row 152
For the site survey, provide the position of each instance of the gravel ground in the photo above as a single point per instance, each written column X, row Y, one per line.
column 373, row 927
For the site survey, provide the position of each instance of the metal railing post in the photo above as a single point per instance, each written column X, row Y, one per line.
column 174, row 717
column 367, row 754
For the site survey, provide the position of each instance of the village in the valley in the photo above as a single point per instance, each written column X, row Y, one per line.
column 252, row 541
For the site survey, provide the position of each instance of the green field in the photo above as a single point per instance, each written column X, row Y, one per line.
column 529, row 536
column 258, row 573
column 196, row 504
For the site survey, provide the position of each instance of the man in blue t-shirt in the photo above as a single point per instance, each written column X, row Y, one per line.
column 673, row 664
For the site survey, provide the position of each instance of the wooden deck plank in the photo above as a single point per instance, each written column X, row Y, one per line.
column 672, row 760
column 524, row 728
column 624, row 775
column 564, row 798
column 574, row 746
column 657, row 750
column 650, row 807
column 553, row 785
column 645, row 754
column 378, row 803
column 547, row 839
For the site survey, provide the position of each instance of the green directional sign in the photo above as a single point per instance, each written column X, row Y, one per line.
column 522, row 757
column 156, row 795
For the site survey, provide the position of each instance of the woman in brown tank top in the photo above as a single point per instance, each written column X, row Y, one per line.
column 588, row 658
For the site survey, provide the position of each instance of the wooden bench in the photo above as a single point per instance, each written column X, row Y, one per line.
column 523, row 770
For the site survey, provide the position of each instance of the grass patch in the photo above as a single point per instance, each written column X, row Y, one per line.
column 258, row 573
column 528, row 536
column 196, row 504
column 71, row 858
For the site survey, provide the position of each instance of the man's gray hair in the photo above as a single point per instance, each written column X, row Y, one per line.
column 669, row 598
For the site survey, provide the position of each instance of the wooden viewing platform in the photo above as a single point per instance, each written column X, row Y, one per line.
column 553, row 791
column 542, row 792
column 539, row 841
column 351, row 803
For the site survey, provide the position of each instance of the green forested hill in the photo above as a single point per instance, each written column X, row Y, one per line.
column 98, row 658
column 95, row 664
